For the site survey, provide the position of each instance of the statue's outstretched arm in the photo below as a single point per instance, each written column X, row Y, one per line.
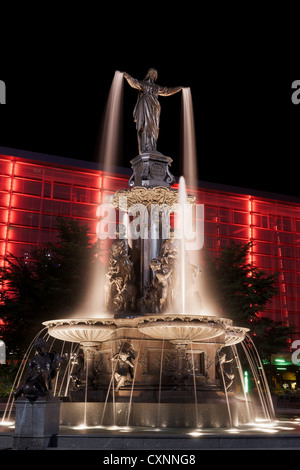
column 166, row 91
column 133, row 82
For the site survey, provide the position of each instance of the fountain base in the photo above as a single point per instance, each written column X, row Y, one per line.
column 155, row 415
column 37, row 423
column 151, row 371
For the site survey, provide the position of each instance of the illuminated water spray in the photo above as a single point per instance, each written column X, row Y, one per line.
column 190, row 169
column 93, row 303
column 112, row 125
column 189, row 157
column 182, row 221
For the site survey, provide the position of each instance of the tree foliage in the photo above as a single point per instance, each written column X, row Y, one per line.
column 240, row 289
column 241, row 292
column 270, row 336
column 46, row 286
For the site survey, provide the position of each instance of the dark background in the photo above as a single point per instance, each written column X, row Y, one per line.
column 247, row 127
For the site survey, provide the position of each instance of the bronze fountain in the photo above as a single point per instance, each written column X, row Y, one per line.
column 165, row 365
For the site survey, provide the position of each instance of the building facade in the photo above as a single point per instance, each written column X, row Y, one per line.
column 35, row 189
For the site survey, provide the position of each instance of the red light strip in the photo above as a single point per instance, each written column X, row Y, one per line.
column 282, row 282
column 250, row 208
column 8, row 212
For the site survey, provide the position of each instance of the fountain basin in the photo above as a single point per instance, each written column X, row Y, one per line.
column 235, row 335
column 81, row 331
column 178, row 329
column 155, row 415
column 183, row 329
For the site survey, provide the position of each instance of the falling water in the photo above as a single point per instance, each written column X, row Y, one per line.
column 190, row 169
column 107, row 153
column 126, row 223
column 182, row 222
column 194, row 381
column 93, row 303
column 18, row 378
column 85, row 394
column 111, row 384
column 110, row 138
column 240, row 370
column 225, row 391
column 114, row 365
column 160, row 381
column 258, row 372
column 69, row 369
column 133, row 382
column 58, row 372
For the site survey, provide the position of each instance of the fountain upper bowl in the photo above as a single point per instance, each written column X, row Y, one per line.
column 89, row 330
column 176, row 328
column 183, row 329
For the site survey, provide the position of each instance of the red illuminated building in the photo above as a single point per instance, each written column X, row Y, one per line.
column 36, row 188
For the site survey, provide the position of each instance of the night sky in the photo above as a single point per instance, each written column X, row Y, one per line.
column 248, row 129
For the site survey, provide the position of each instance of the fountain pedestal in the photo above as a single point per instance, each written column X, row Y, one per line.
column 90, row 351
column 37, row 423
column 151, row 169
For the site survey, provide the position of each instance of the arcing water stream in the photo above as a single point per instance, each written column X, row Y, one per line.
column 190, row 168
column 110, row 141
column 109, row 415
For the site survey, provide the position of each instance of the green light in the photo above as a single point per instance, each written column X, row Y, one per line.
column 281, row 368
column 246, row 382
column 280, row 360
